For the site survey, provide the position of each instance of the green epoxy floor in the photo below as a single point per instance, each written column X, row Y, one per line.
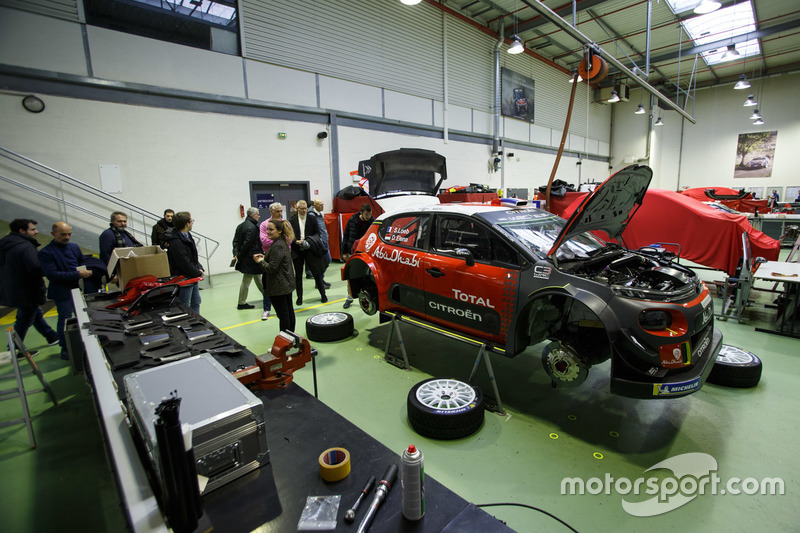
column 547, row 434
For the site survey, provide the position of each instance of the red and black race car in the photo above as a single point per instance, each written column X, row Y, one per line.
column 515, row 276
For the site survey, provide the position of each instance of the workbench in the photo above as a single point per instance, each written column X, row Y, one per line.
column 299, row 428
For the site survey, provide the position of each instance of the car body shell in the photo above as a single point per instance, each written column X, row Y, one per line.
column 514, row 301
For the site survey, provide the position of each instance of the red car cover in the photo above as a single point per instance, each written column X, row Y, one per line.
column 744, row 205
column 706, row 235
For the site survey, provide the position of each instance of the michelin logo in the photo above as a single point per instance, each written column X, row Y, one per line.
column 674, row 389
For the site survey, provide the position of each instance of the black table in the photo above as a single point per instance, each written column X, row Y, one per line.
column 299, row 428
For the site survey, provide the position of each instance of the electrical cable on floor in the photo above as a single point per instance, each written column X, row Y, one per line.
column 527, row 507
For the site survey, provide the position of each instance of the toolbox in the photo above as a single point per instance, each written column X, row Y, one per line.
column 227, row 420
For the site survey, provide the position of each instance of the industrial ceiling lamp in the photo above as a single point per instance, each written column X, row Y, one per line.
column 640, row 110
column 750, row 102
column 411, row 2
column 706, row 6
column 516, row 45
column 730, row 53
column 742, row 83
column 758, row 122
column 756, row 115
column 659, row 122
column 572, row 78
column 614, row 97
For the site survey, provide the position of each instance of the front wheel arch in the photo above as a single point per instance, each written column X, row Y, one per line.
column 560, row 316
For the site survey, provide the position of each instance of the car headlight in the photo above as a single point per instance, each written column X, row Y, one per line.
column 655, row 319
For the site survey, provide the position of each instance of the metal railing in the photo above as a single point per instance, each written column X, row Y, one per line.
column 97, row 204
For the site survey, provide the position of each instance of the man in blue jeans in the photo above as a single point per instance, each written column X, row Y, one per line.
column 63, row 264
column 21, row 282
column 183, row 259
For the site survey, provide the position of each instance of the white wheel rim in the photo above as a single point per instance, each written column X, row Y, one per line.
column 328, row 318
column 445, row 394
column 734, row 356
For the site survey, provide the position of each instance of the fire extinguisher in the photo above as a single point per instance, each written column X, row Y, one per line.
column 241, row 210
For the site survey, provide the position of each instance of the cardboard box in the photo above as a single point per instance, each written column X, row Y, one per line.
column 140, row 261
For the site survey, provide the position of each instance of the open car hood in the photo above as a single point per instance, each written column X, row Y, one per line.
column 610, row 206
column 405, row 171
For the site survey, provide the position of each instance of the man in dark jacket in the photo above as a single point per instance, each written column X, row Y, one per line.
column 246, row 243
column 21, row 282
column 157, row 237
column 305, row 226
column 62, row 262
column 183, row 259
column 356, row 227
column 116, row 236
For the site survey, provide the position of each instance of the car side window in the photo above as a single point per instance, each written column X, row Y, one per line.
column 502, row 253
column 405, row 230
column 458, row 232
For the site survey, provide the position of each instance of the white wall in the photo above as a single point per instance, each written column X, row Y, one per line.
column 168, row 158
column 707, row 150
column 203, row 161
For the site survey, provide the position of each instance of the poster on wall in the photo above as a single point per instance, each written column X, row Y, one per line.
column 516, row 93
column 755, row 154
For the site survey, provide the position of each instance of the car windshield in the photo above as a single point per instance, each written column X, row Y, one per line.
column 538, row 232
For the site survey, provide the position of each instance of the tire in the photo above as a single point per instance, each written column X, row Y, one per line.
column 328, row 327
column 445, row 409
column 735, row 367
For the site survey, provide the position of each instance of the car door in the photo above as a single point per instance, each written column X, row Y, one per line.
column 478, row 298
column 398, row 252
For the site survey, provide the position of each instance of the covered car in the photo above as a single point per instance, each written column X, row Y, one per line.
column 707, row 236
column 512, row 276
column 740, row 200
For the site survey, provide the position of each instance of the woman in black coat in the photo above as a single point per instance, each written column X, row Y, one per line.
column 278, row 275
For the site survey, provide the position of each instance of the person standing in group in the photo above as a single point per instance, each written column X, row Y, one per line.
column 276, row 213
column 356, row 227
column 157, row 237
column 116, row 236
column 60, row 261
column 278, row 272
column 316, row 208
column 21, row 281
column 183, row 259
column 246, row 243
column 305, row 228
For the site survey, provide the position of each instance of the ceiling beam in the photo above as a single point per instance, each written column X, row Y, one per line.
column 758, row 34
column 583, row 39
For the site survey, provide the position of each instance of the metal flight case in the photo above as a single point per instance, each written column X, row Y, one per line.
column 227, row 420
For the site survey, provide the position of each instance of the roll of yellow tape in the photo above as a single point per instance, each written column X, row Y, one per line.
column 334, row 464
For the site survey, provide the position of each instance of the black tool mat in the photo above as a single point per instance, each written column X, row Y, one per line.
column 299, row 429
column 123, row 343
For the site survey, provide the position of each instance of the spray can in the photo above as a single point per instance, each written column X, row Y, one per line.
column 412, row 481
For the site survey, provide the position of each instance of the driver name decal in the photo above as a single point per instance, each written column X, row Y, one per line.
column 396, row 256
column 471, row 298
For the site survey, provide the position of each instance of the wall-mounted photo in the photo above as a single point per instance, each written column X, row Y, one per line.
column 755, row 154
column 516, row 94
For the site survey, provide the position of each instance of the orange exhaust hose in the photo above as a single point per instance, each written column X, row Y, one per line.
column 563, row 140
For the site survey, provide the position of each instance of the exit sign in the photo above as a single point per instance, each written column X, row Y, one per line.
column 281, row 135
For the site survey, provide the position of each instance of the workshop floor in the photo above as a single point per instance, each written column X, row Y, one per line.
column 520, row 458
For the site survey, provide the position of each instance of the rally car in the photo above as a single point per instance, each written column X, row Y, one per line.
column 515, row 276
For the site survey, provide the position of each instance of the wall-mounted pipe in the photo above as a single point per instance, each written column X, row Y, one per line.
column 500, row 40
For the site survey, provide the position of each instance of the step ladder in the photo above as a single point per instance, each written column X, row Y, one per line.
column 16, row 345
